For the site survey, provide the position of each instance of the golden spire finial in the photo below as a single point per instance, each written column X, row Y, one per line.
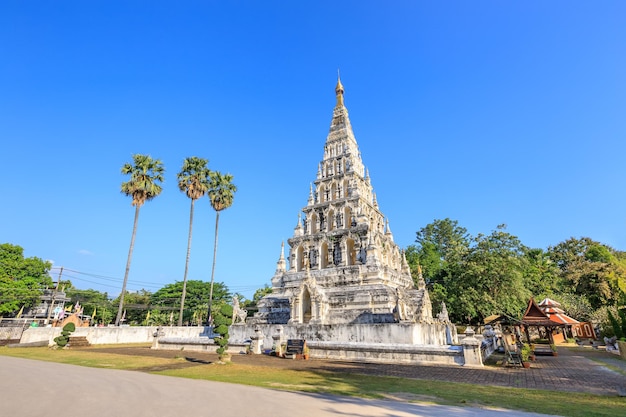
column 339, row 91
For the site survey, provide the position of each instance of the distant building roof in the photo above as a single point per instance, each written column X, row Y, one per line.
column 553, row 311
column 535, row 316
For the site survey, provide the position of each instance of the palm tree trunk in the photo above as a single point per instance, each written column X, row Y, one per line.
column 182, row 298
column 217, row 222
column 130, row 256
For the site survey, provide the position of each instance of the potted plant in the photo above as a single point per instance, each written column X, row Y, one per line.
column 554, row 351
column 525, row 353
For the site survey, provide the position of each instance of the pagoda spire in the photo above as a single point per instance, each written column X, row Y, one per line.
column 339, row 91
column 387, row 228
column 281, row 265
column 299, row 230
column 421, row 283
column 311, row 199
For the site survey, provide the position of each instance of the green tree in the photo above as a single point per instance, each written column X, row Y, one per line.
column 440, row 247
column 260, row 293
column 156, row 318
column 91, row 300
column 169, row 296
column 541, row 273
column 439, row 251
column 492, row 280
column 146, row 175
column 104, row 315
column 193, row 180
column 575, row 305
column 221, row 194
column 136, row 306
column 22, row 280
column 590, row 269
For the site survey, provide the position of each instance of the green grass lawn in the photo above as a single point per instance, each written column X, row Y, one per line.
column 539, row 401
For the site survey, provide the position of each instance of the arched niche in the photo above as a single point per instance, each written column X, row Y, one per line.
column 321, row 195
column 305, row 306
column 299, row 258
column 313, row 226
column 346, row 188
column 350, row 252
column 324, row 255
column 331, row 220
column 347, row 217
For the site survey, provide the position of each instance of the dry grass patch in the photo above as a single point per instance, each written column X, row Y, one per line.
column 90, row 358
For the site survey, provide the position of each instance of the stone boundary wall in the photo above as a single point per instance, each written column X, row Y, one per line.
column 10, row 334
column 199, row 339
column 112, row 335
column 357, row 352
column 386, row 353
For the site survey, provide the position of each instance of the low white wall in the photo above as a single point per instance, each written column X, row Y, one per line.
column 360, row 352
column 432, row 334
column 112, row 335
column 387, row 353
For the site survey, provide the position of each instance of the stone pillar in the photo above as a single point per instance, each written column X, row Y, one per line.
column 256, row 346
column 471, row 349
column 279, row 338
column 294, row 315
column 159, row 333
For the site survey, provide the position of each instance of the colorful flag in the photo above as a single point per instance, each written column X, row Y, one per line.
column 93, row 315
column 147, row 316
column 20, row 313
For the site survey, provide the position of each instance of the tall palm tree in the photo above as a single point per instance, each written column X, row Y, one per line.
column 221, row 193
column 193, row 180
column 146, row 174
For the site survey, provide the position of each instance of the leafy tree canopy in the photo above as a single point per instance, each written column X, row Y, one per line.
column 197, row 294
column 590, row 269
column 21, row 279
column 496, row 274
column 260, row 293
column 439, row 244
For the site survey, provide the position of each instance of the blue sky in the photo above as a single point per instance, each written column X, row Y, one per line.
column 484, row 112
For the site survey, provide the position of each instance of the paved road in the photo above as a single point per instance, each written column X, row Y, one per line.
column 34, row 388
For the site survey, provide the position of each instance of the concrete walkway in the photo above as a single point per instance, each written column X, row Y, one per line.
column 37, row 389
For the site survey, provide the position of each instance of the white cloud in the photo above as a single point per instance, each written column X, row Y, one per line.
column 85, row 252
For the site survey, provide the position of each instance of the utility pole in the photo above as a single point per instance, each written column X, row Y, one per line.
column 54, row 293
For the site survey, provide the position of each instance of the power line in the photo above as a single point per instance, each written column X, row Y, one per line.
column 115, row 283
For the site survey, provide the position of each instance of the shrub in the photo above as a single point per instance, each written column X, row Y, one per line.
column 618, row 323
column 222, row 318
column 525, row 352
column 63, row 340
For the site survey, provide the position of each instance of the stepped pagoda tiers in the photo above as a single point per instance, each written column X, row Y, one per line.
column 345, row 289
column 344, row 267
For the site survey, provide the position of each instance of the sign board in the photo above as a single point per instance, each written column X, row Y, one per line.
column 295, row 346
column 584, row 330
